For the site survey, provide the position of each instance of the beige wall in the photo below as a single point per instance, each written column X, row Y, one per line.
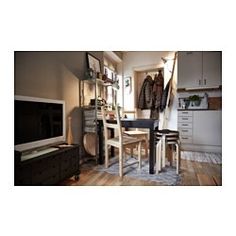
column 53, row 75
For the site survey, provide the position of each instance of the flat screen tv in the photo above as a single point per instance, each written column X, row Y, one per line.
column 38, row 122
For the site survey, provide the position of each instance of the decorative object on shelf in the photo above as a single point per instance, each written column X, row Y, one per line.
column 93, row 63
column 195, row 100
column 186, row 103
column 69, row 135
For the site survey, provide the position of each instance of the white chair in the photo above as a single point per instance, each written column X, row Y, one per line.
column 137, row 133
column 121, row 141
column 163, row 138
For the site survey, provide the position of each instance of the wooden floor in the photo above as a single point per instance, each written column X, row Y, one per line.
column 193, row 174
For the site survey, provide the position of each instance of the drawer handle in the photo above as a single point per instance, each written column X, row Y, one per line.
column 184, row 118
column 184, row 138
column 184, row 130
column 185, row 112
column 184, row 124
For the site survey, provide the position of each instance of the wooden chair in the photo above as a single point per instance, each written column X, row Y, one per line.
column 121, row 141
column 137, row 133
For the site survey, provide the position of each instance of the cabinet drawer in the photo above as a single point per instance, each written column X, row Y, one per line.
column 185, row 113
column 185, row 125
column 185, row 132
column 186, row 139
column 185, row 119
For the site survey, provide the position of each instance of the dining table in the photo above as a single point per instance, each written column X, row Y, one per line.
column 150, row 124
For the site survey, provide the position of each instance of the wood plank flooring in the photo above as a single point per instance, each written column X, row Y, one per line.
column 193, row 174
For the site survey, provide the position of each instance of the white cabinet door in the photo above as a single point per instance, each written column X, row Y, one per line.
column 189, row 69
column 207, row 128
column 212, row 64
column 199, row 69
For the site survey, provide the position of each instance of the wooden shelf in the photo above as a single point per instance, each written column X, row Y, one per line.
column 99, row 82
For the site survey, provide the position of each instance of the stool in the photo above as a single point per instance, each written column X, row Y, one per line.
column 163, row 138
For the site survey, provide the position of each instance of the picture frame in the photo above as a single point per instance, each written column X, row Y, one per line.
column 128, row 84
column 93, row 63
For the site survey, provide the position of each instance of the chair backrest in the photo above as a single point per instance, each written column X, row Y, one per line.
column 116, row 124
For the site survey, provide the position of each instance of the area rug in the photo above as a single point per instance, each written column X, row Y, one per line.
column 167, row 177
column 209, row 157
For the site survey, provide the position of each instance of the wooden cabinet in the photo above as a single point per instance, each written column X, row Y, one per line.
column 200, row 130
column 199, row 69
column 48, row 169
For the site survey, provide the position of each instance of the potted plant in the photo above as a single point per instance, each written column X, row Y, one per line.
column 195, row 100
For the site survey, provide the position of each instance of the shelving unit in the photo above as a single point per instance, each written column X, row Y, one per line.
column 90, row 90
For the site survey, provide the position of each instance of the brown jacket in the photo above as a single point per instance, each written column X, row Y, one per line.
column 145, row 96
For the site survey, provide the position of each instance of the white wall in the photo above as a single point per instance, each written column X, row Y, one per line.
column 141, row 61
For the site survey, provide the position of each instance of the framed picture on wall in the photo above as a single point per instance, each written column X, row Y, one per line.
column 128, row 84
column 93, row 63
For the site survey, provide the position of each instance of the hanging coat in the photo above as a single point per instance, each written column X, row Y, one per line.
column 157, row 90
column 145, row 96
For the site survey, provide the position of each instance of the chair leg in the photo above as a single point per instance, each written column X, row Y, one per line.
column 131, row 151
column 179, row 155
column 106, row 156
column 172, row 155
column 146, row 147
column 158, row 156
column 177, row 158
column 163, row 151
column 121, row 162
column 139, row 155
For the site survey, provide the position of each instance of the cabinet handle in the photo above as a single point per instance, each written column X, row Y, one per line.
column 184, row 125
column 204, row 81
column 184, row 130
column 199, row 82
column 184, row 138
column 185, row 112
column 184, row 118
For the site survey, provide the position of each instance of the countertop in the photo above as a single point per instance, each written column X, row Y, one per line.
column 192, row 109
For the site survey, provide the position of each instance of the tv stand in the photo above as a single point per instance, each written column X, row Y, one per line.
column 47, row 167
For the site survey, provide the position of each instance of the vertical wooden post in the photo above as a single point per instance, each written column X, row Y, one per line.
column 69, row 135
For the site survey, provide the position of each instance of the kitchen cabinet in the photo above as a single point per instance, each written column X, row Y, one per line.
column 200, row 130
column 207, row 128
column 185, row 120
column 199, row 69
column 211, row 69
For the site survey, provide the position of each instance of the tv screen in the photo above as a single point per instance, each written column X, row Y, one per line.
column 38, row 120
